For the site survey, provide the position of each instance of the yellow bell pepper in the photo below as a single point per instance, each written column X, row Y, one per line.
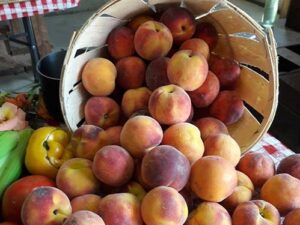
column 47, row 150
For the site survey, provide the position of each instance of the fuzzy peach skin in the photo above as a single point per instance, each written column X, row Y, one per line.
column 134, row 100
column 187, row 69
column 258, row 166
column 164, row 165
column 197, row 45
column 207, row 32
column 210, row 126
column 213, row 178
column 99, row 76
column 120, row 42
column 208, row 213
column 140, row 134
column 207, row 92
column 283, row 191
column 292, row 218
column 164, row 206
column 170, row 104
column 113, row 159
column 186, row 138
column 102, row 111
column 84, row 217
column 88, row 202
column 152, row 40
column 181, row 23
column 137, row 21
column 243, row 192
column 223, row 145
column 256, row 212
column 110, row 136
column 130, row 72
column 120, row 208
column 290, row 165
column 78, row 169
column 46, row 205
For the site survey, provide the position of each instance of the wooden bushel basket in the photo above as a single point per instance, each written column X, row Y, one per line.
column 240, row 37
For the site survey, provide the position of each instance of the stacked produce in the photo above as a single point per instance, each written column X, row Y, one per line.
column 154, row 148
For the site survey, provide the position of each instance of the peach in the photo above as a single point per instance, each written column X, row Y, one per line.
column 207, row 32
column 170, row 104
column 121, row 208
column 120, row 42
column 292, row 218
column 186, row 138
column 227, row 107
column 45, row 205
column 258, row 166
column 213, row 178
column 187, row 70
column 137, row 21
column 156, row 73
column 227, row 70
column 84, row 217
column 210, row 126
column 207, row 92
column 165, row 206
column 223, row 145
column 209, row 213
column 243, row 192
column 290, row 165
column 152, row 40
column 101, row 111
column 135, row 100
column 88, row 202
column 99, row 76
column 80, row 170
column 283, row 191
column 113, row 159
column 110, row 136
column 136, row 189
column 256, row 212
column 130, row 72
column 140, row 134
column 164, row 165
column 197, row 46
column 181, row 23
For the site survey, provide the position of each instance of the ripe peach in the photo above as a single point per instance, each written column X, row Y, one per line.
column 45, row 205
column 86, row 202
column 102, row 111
column 292, row 218
column 290, row 165
column 130, row 72
column 207, row 92
column 181, row 23
column 77, row 169
column 283, row 191
column 135, row 100
column 84, row 217
column 187, row 70
column 170, row 104
column 110, row 136
column 140, row 134
column 207, row 32
column 209, row 213
column 164, row 165
column 210, row 126
column 113, row 159
column 256, row 212
column 121, row 208
column 223, row 145
column 120, row 42
column 99, row 76
column 156, row 73
column 258, row 166
column 213, row 178
column 227, row 107
column 197, row 46
column 152, row 40
column 136, row 189
column 164, row 205
column 186, row 138
column 137, row 21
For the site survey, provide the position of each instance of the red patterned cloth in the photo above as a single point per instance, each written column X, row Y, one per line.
column 32, row 8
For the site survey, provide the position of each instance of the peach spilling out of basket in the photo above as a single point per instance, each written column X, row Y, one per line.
column 240, row 38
